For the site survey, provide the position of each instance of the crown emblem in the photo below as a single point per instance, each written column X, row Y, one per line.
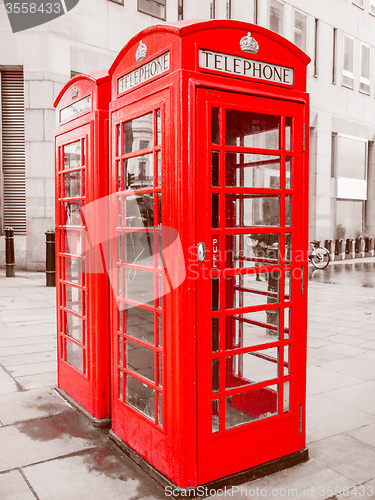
column 249, row 44
column 141, row 52
column 74, row 92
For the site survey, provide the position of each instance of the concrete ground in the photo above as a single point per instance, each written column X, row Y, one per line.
column 49, row 451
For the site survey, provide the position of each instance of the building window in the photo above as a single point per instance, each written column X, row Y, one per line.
column 372, row 7
column 256, row 11
column 348, row 63
column 300, row 29
column 154, row 8
column 180, row 10
column 212, row 9
column 229, row 9
column 276, row 16
column 334, row 45
column 364, row 82
column 316, row 47
column 120, row 2
column 359, row 3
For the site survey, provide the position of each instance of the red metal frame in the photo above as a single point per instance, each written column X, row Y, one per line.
column 83, row 352
column 184, row 448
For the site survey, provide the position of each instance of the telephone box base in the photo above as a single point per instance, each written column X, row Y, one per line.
column 103, row 423
column 233, row 480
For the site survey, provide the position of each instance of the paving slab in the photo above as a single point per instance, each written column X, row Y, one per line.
column 29, row 405
column 347, row 456
column 32, row 368
column 36, row 357
column 28, row 349
column 309, row 480
column 326, row 418
column 361, row 397
column 366, row 434
column 7, row 383
column 38, row 440
column 14, row 487
column 320, row 380
column 365, row 490
column 96, row 474
column 358, row 368
column 344, row 349
column 35, row 381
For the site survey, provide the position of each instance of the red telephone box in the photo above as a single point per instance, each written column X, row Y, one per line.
column 208, row 140
column 81, row 149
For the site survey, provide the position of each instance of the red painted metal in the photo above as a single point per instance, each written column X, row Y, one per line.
column 182, row 446
column 81, row 145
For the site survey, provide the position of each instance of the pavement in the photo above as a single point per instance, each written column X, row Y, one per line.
column 49, row 451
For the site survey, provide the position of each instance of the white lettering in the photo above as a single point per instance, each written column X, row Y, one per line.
column 143, row 73
column 227, row 63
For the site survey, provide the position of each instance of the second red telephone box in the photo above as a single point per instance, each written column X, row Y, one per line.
column 209, row 168
column 81, row 149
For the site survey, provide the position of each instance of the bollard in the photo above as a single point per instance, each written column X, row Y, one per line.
column 360, row 247
column 50, row 259
column 10, row 265
column 350, row 248
column 328, row 244
column 369, row 247
column 340, row 249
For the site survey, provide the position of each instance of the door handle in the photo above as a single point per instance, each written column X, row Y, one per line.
column 201, row 251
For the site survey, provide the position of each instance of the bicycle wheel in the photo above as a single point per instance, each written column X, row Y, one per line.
column 320, row 257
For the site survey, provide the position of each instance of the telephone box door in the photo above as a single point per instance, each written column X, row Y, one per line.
column 251, row 307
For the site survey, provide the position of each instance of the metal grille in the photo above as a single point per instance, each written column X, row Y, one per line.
column 13, row 150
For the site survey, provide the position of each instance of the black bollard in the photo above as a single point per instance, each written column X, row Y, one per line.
column 10, row 265
column 50, row 259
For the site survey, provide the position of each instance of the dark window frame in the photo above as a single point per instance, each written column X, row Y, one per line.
column 143, row 10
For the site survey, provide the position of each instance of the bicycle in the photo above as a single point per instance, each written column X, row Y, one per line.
column 319, row 256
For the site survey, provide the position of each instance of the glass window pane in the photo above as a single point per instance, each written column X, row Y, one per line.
column 276, row 16
column 137, row 130
column 74, row 355
column 120, row 351
column 121, row 384
column 72, row 155
column 287, row 323
column 73, row 299
column 215, row 293
column 72, row 214
column 287, row 285
column 139, row 210
column 288, row 134
column 139, row 323
column 250, row 405
column 349, row 216
column 216, row 415
column 288, row 210
column 215, row 334
column 160, row 330
column 288, row 248
column 140, row 171
column 245, row 290
column 160, row 409
column 286, row 360
column 139, row 286
column 73, row 243
column 160, row 369
column 251, row 250
column 118, row 140
column 215, row 137
column 158, row 127
column 348, row 64
column 300, row 29
column 215, row 210
column 247, row 330
column 72, row 184
column 215, row 162
column 140, row 396
column 139, row 248
column 159, row 168
column 247, row 210
column 288, row 173
column 155, row 8
column 140, row 360
column 74, row 326
column 74, row 269
column 252, row 130
column 251, row 367
column 252, row 170
column 286, row 397
column 351, row 158
column 365, row 68
column 215, row 375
